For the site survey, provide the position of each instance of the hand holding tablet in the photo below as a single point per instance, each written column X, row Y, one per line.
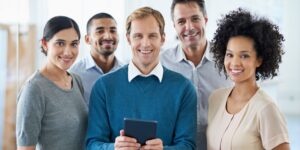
column 141, row 130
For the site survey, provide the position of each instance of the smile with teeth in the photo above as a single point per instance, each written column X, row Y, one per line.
column 190, row 34
column 145, row 51
column 236, row 71
column 107, row 42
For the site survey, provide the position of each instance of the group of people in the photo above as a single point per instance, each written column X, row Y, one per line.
column 204, row 95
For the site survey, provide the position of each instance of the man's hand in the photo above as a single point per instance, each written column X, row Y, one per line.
column 155, row 144
column 123, row 142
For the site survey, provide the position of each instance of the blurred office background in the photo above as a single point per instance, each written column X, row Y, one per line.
column 21, row 26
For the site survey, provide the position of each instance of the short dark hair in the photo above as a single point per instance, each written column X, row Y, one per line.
column 97, row 16
column 57, row 24
column 265, row 35
column 200, row 3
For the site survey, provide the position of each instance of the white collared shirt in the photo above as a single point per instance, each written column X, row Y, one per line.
column 133, row 72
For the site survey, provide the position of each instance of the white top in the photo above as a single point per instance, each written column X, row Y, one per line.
column 259, row 125
column 133, row 72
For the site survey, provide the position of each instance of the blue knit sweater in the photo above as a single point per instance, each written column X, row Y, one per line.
column 171, row 102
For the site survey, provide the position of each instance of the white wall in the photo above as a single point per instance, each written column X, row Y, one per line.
column 285, row 13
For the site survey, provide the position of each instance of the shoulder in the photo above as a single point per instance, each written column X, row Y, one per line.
column 218, row 95
column 262, row 101
column 34, row 81
column 169, row 53
column 175, row 78
column 79, row 66
column 33, row 89
column 114, row 76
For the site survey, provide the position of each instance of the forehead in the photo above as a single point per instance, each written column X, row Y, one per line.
column 145, row 25
column 186, row 10
column 103, row 22
column 240, row 43
column 69, row 34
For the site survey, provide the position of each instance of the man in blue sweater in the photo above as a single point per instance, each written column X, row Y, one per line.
column 146, row 90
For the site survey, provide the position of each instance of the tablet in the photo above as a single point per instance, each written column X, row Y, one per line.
column 141, row 130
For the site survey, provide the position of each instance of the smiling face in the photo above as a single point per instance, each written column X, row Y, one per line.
column 145, row 41
column 189, row 23
column 241, row 59
column 62, row 48
column 103, row 36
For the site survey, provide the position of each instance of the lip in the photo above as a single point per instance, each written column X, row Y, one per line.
column 66, row 59
column 107, row 42
column 236, row 72
column 145, row 52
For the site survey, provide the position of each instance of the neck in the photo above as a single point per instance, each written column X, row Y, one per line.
column 244, row 90
column 145, row 69
column 195, row 54
column 106, row 63
column 54, row 73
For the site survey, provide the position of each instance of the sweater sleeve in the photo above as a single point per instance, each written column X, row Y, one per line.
column 98, row 132
column 30, row 109
column 185, row 131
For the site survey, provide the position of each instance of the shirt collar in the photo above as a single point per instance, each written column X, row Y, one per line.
column 133, row 72
column 181, row 56
column 90, row 63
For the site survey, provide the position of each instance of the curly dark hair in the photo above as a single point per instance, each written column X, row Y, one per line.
column 266, row 36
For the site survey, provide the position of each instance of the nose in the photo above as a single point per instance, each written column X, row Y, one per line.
column 146, row 42
column 107, row 35
column 235, row 61
column 189, row 25
column 67, row 50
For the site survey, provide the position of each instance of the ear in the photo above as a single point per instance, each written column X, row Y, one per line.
column 128, row 38
column 87, row 39
column 259, row 62
column 163, row 38
column 44, row 44
column 206, row 20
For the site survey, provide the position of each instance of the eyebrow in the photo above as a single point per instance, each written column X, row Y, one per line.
column 243, row 51
column 101, row 28
column 61, row 40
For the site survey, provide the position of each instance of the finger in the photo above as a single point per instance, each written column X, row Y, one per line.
column 126, row 139
column 154, row 142
column 152, row 147
column 128, row 145
column 122, row 133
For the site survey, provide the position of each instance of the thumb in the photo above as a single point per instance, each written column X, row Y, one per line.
column 122, row 133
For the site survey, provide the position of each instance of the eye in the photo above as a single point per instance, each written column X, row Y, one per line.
column 75, row 44
column 60, row 43
column 153, row 36
column 244, row 56
column 113, row 31
column 137, row 36
column 196, row 19
column 181, row 22
column 228, row 55
column 99, row 31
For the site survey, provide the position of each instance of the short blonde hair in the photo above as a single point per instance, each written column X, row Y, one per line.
column 144, row 12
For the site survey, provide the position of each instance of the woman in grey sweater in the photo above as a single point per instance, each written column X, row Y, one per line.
column 51, row 113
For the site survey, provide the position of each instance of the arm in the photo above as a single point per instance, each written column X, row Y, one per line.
column 185, row 130
column 273, row 127
column 30, row 109
column 98, row 131
column 283, row 146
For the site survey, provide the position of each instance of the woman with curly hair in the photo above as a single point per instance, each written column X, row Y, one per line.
column 247, row 48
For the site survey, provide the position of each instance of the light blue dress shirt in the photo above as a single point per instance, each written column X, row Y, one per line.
column 89, row 73
column 204, row 76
